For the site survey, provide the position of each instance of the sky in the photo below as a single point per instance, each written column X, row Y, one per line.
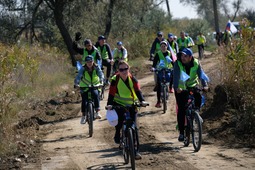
column 179, row 10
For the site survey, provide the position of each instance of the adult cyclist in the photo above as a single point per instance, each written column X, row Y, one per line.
column 124, row 91
column 106, row 54
column 187, row 64
column 89, row 74
column 119, row 54
column 201, row 40
column 155, row 47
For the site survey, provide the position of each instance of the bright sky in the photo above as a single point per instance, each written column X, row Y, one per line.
column 179, row 10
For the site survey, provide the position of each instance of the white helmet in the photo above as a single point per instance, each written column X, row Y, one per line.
column 112, row 117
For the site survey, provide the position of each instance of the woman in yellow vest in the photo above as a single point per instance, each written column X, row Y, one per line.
column 89, row 74
column 124, row 90
column 190, row 66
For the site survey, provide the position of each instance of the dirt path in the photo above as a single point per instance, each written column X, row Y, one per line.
column 66, row 144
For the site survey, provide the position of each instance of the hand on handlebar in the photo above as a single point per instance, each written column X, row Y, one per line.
column 206, row 89
column 144, row 104
column 152, row 69
column 76, row 86
column 108, row 107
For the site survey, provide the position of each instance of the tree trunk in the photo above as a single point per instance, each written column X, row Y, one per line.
column 109, row 19
column 63, row 30
column 168, row 8
column 216, row 19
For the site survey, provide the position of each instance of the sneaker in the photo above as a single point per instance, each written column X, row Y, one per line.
column 171, row 90
column 98, row 115
column 181, row 138
column 117, row 140
column 83, row 119
column 158, row 105
column 138, row 156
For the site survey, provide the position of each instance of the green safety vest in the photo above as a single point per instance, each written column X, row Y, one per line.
column 88, row 80
column 182, row 43
column 157, row 49
column 118, row 54
column 125, row 96
column 200, row 40
column 85, row 54
column 193, row 80
column 162, row 57
column 103, row 52
column 173, row 46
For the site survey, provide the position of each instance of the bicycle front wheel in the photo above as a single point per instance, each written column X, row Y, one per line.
column 90, row 118
column 131, row 147
column 124, row 145
column 196, row 132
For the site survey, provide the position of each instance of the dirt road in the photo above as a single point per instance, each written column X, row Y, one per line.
column 66, row 144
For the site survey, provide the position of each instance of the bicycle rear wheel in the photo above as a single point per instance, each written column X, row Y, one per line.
column 90, row 118
column 187, row 136
column 164, row 99
column 131, row 147
column 196, row 132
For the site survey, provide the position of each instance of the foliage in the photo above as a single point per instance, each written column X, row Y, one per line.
column 239, row 78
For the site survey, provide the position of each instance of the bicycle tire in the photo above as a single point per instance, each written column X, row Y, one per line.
column 131, row 148
column 186, row 136
column 91, row 118
column 196, row 132
column 102, row 93
column 124, row 143
column 164, row 99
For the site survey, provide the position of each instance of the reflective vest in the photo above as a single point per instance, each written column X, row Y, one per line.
column 200, row 40
column 182, row 43
column 85, row 54
column 172, row 44
column 125, row 95
column 193, row 80
column 157, row 49
column 103, row 52
column 87, row 80
column 118, row 54
column 163, row 58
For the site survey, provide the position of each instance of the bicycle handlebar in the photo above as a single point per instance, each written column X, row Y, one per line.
column 137, row 104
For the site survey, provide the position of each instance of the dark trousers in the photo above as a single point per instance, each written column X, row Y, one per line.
column 94, row 95
column 182, row 100
column 109, row 67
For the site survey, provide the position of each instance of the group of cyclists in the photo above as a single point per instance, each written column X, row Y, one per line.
column 124, row 88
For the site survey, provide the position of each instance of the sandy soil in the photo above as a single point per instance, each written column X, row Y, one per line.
column 66, row 145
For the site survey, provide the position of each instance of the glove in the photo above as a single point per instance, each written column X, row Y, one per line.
column 144, row 103
column 77, row 36
column 152, row 69
column 108, row 107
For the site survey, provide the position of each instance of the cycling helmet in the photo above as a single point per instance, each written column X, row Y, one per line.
column 101, row 37
column 119, row 43
column 112, row 117
column 187, row 51
column 163, row 42
column 160, row 33
column 170, row 35
column 87, row 41
column 89, row 58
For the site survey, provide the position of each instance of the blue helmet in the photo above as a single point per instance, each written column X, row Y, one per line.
column 89, row 58
column 119, row 43
column 187, row 51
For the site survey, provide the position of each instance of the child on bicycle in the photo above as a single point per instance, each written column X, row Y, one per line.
column 191, row 67
column 89, row 74
column 125, row 91
column 162, row 59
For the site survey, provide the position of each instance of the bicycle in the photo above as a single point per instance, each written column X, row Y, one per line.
column 164, row 85
column 129, row 143
column 90, row 108
column 193, row 123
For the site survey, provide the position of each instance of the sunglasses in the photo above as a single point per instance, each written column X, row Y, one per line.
column 123, row 69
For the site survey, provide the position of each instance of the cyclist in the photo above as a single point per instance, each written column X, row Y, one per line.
column 201, row 40
column 190, row 41
column 106, row 55
column 227, row 37
column 124, row 91
column 163, row 59
column 182, row 41
column 119, row 53
column 172, row 43
column 89, row 74
column 88, row 50
column 156, row 45
column 187, row 64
